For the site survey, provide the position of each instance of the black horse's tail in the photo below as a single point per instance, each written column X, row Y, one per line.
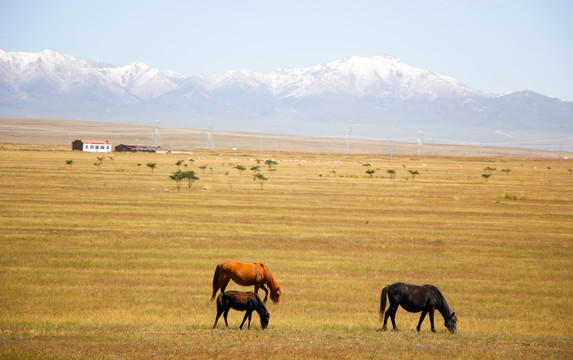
column 383, row 302
column 215, row 282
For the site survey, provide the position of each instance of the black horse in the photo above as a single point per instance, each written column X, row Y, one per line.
column 242, row 301
column 415, row 298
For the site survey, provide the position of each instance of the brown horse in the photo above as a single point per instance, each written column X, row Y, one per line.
column 246, row 274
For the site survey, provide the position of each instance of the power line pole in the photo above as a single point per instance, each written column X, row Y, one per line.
column 156, row 135
column 390, row 146
column 420, row 142
column 210, row 144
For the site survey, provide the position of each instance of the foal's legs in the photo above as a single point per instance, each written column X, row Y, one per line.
column 219, row 312
column 248, row 314
column 225, row 316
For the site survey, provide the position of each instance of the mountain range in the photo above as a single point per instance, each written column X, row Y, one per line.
column 376, row 97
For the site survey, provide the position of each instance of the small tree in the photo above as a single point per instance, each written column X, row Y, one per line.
column 99, row 162
column 70, row 162
column 203, row 167
column 270, row 163
column 241, row 168
column 179, row 163
column 177, row 176
column 392, row 173
column 260, row 178
column 413, row 173
column 486, row 176
column 152, row 166
column 370, row 172
column 256, row 168
column 190, row 177
column 506, row 171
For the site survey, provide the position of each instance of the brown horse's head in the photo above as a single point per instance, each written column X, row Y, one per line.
column 273, row 284
column 276, row 295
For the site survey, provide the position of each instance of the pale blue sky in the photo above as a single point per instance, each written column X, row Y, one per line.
column 493, row 46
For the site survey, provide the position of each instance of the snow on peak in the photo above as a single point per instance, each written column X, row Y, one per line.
column 377, row 77
column 67, row 73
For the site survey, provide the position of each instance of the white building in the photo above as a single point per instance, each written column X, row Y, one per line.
column 97, row 146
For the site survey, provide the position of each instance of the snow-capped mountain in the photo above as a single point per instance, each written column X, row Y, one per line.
column 376, row 96
column 49, row 75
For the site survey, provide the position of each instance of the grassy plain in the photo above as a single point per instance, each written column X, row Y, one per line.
column 113, row 262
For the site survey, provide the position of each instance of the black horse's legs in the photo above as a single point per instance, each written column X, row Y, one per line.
column 390, row 313
column 225, row 316
column 432, row 320
column 393, row 317
column 424, row 312
column 386, row 315
column 217, row 318
column 247, row 315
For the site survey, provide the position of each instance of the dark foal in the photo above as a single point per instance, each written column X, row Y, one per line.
column 414, row 298
column 242, row 301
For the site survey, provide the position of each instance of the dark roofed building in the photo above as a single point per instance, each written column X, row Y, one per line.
column 141, row 148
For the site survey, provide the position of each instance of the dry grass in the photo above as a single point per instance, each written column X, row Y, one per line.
column 113, row 262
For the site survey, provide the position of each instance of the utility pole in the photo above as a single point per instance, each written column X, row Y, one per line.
column 390, row 146
column 156, row 135
column 210, row 144
column 420, row 142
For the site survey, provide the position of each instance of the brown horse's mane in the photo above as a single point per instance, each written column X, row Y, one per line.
column 269, row 277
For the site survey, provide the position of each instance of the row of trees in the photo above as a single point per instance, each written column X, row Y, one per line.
column 390, row 172
column 180, row 176
column 189, row 176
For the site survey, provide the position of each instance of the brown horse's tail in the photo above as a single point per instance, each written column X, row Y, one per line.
column 215, row 282
column 383, row 302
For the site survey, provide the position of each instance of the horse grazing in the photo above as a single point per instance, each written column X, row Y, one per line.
column 246, row 274
column 415, row 298
column 242, row 301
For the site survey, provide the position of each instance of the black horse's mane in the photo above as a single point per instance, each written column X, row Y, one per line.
column 445, row 309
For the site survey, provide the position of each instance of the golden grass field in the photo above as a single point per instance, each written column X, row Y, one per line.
column 112, row 262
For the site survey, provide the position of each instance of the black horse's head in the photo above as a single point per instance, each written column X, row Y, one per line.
column 265, row 317
column 451, row 323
